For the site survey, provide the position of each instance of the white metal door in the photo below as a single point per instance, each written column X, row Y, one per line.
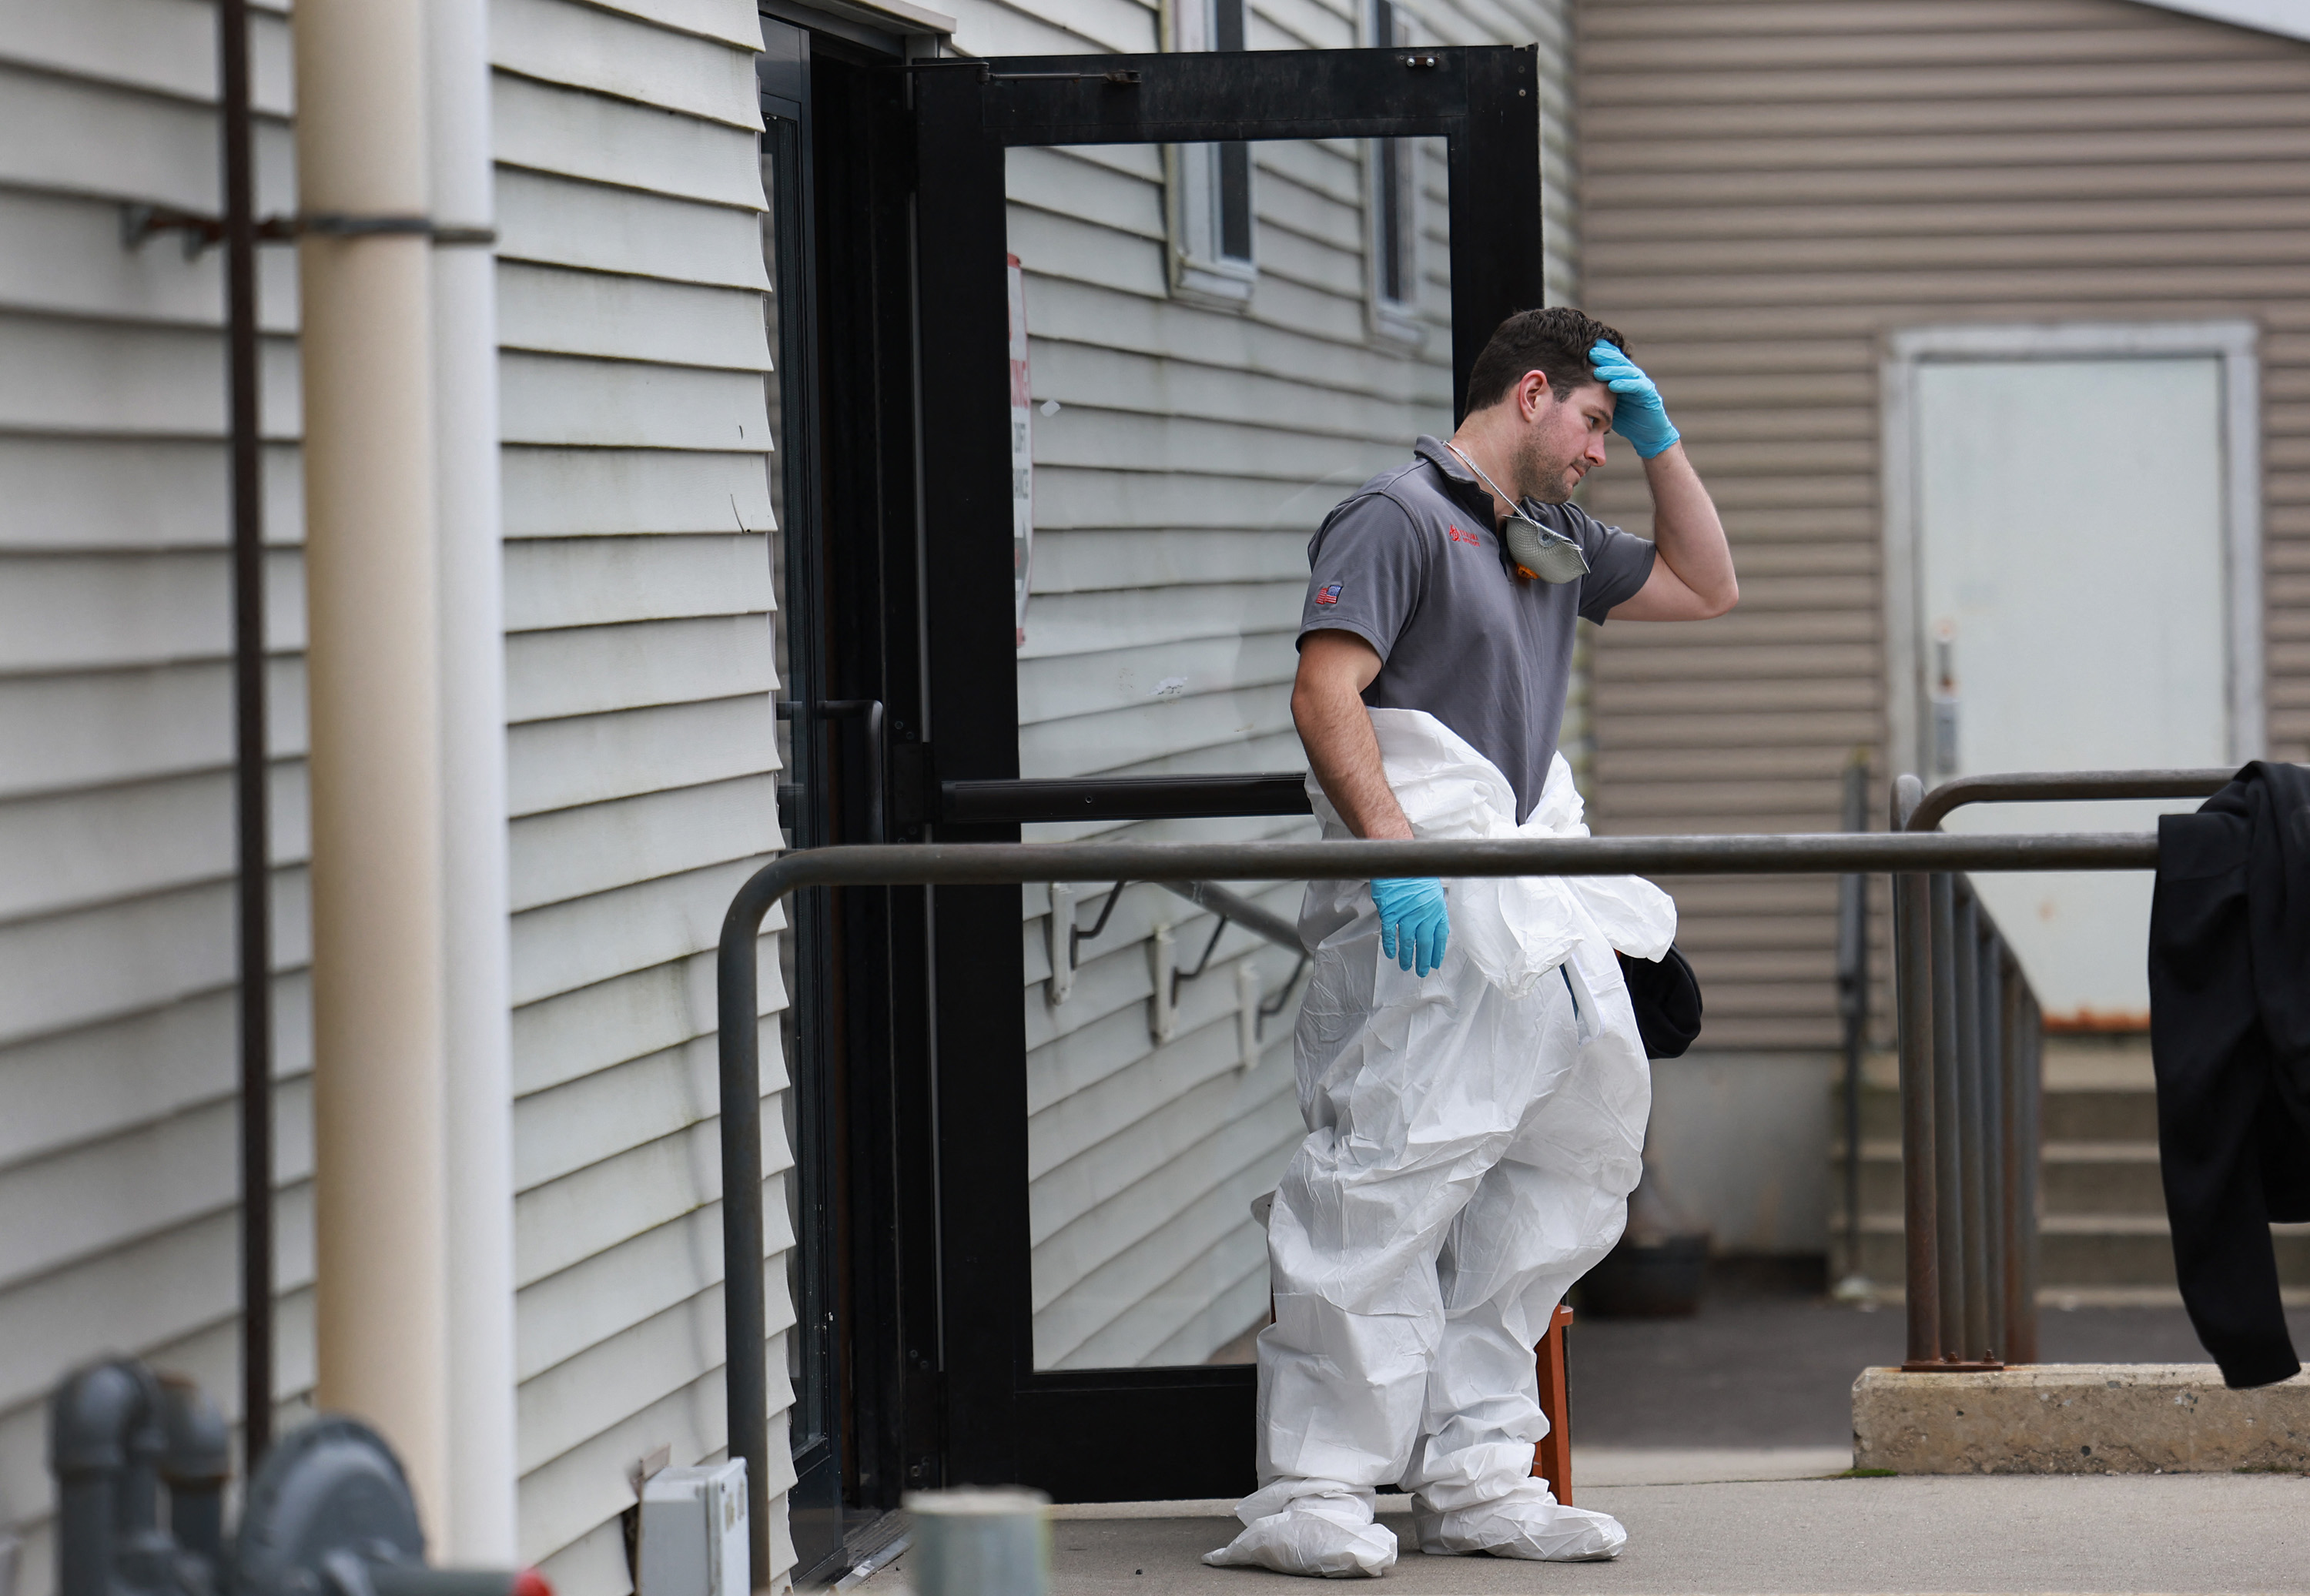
column 2072, row 579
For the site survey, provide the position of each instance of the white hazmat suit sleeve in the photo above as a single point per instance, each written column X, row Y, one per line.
column 1472, row 1138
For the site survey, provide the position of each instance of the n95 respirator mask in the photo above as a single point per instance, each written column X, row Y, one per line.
column 1540, row 553
column 1532, row 552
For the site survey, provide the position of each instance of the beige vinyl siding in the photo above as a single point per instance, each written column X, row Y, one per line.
column 118, row 1129
column 1193, row 451
column 1771, row 188
column 639, row 675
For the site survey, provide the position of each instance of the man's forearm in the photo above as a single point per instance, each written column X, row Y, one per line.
column 1336, row 730
column 1686, row 529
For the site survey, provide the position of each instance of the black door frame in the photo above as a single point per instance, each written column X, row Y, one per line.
column 814, row 1427
column 1111, row 1434
column 838, row 126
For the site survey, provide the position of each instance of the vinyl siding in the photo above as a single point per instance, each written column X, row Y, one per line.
column 1193, row 451
column 642, row 758
column 118, row 1182
column 1769, row 190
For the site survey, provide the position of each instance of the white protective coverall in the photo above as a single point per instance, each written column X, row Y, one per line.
column 1473, row 1140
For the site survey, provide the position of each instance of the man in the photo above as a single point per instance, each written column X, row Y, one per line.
column 1473, row 1136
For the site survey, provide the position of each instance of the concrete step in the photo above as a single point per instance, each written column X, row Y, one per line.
column 2083, row 1253
column 2075, row 1113
column 2074, row 1177
column 2099, row 1177
column 2102, row 1227
column 2092, row 1093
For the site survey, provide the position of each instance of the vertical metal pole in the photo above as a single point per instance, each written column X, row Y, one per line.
column 744, row 1310
column 251, row 776
column 1913, row 1011
column 1853, row 1007
column 1965, row 936
column 1949, row 1124
column 2022, row 1087
column 2010, row 1157
column 1990, row 1003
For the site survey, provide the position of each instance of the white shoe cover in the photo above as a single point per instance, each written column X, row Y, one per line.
column 1312, row 1527
column 1527, row 1522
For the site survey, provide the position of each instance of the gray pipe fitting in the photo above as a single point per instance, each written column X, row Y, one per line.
column 105, row 1440
column 194, row 1467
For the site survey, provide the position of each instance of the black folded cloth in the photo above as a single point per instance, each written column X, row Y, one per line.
column 1666, row 996
column 2230, row 1033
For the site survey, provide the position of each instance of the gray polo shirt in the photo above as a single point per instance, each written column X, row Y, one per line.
column 1412, row 564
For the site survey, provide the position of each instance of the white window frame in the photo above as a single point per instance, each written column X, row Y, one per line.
column 1200, row 269
column 2233, row 343
column 1394, row 318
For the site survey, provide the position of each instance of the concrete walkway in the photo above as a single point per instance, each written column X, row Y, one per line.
column 1731, row 1523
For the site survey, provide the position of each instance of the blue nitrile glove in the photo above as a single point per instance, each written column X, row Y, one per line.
column 1639, row 417
column 1413, row 925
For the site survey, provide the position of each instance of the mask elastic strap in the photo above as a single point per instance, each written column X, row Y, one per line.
column 1515, row 506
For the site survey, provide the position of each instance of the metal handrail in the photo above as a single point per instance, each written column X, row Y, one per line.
column 1969, row 1031
column 1016, row 864
column 2046, row 786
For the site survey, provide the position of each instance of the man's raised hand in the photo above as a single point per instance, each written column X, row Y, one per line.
column 1638, row 416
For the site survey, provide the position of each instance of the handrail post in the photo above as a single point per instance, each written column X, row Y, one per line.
column 2022, row 1087
column 745, row 1327
column 1973, row 1155
column 1913, row 987
column 1949, row 1117
column 1995, row 1145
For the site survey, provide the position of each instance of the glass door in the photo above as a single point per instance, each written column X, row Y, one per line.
column 1188, row 395
column 1177, row 472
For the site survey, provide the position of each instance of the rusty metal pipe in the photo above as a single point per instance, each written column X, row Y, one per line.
column 2021, row 1150
column 1989, row 987
column 1949, row 1129
column 1913, row 979
column 2033, row 1076
column 1972, row 1165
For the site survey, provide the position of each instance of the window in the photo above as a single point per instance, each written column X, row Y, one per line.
column 1212, row 253
column 1394, row 167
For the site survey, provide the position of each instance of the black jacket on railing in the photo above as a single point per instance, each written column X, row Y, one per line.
column 2229, row 1030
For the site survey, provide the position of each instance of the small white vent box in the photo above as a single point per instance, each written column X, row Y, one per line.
column 694, row 1532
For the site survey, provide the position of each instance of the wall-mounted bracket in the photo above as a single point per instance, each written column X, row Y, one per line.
column 1162, row 1004
column 1276, row 1004
column 1201, row 964
column 1246, row 1015
column 1065, row 938
column 1059, row 937
column 139, row 221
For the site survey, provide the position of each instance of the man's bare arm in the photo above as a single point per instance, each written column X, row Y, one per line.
column 1692, row 575
column 1335, row 728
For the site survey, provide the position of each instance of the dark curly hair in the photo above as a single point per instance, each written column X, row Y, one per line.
column 1554, row 341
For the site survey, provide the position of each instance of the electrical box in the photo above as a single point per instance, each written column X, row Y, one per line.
column 694, row 1533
